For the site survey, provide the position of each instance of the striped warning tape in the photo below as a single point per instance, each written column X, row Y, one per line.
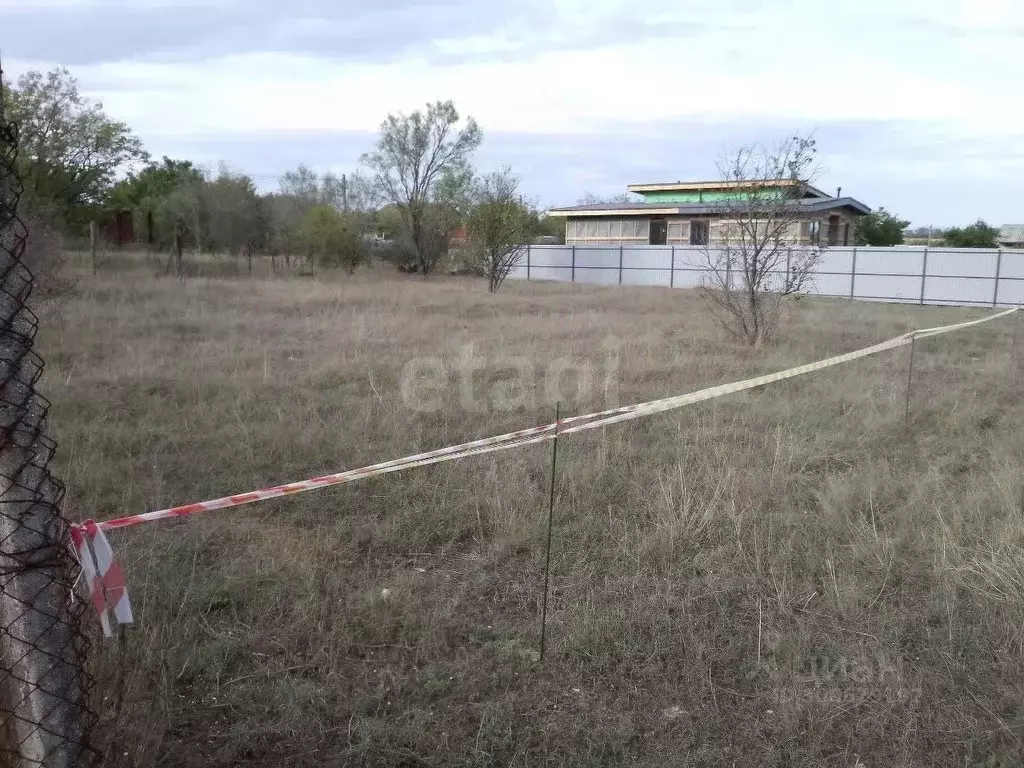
column 537, row 434
column 566, row 426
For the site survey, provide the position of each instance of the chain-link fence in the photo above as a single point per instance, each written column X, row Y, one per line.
column 45, row 718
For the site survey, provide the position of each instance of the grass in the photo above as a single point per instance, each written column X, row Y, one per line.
column 789, row 576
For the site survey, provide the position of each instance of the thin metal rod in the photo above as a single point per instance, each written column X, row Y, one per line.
column 1016, row 333
column 547, row 555
column 910, row 379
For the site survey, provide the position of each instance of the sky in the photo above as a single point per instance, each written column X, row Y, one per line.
column 916, row 105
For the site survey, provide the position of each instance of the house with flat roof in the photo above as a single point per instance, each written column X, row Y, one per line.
column 701, row 212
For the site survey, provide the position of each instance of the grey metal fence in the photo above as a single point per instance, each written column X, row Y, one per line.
column 960, row 276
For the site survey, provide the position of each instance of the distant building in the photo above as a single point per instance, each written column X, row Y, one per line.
column 1011, row 236
column 698, row 213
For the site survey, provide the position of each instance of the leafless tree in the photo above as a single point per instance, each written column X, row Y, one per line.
column 500, row 226
column 417, row 155
column 593, row 199
column 749, row 265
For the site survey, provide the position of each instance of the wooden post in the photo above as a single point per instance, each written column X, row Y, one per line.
column 572, row 274
column 177, row 252
column 620, row 265
column 92, row 244
column 528, row 247
column 672, row 269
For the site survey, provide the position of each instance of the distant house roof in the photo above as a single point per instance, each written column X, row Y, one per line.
column 806, row 205
column 714, row 186
column 1011, row 233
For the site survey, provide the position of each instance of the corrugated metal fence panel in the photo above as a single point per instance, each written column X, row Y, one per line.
column 954, row 276
column 651, row 257
column 597, row 258
column 839, row 260
column 1011, row 283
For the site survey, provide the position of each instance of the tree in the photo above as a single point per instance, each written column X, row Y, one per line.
column 415, row 154
column 976, row 235
column 881, row 228
column 182, row 213
column 549, row 226
column 591, row 199
column 331, row 239
column 234, row 212
column 71, row 151
column 500, row 226
column 147, row 191
column 750, row 269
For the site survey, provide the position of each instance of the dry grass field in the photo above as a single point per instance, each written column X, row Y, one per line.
column 786, row 577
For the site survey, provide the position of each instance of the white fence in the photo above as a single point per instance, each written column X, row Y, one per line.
column 963, row 276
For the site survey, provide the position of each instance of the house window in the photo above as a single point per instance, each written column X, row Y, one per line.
column 700, row 232
column 659, row 232
column 813, row 230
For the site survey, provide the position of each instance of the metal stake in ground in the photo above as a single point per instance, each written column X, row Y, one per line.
column 1016, row 333
column 910, row 379
column 547, row 554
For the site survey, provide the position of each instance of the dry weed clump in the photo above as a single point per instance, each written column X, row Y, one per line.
column 787, row 577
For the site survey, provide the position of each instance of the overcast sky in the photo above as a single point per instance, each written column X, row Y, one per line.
column 917, row 105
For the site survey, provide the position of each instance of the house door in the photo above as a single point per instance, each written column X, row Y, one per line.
column 833, row 230
column 659, row 232
column 700, row 232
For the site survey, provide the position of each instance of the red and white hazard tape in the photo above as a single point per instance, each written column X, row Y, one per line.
column 103, row 577
column 93, row 532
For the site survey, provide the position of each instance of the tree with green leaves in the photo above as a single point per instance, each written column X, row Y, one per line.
column 419, row 163
column 881, row 228
column 501, row 224
column 233, row 208
column 71, row 152
column 147, row 192
column 330, row 238
column 976, row 235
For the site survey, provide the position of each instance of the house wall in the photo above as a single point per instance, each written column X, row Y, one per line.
column 608, row 230
column 696, row 196
column 635, row 230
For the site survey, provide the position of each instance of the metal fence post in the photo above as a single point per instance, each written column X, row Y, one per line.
column 853, row 273
column 672, row 269
column 924, row 276
column 789, row 258
column 528, row 250
column 44, row 716
column 620, row 265
column 999, row 270
column 572, row 274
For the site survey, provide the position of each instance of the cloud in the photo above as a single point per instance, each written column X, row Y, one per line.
column 915, row 168
column 913, row 101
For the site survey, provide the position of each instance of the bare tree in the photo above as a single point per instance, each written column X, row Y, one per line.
column 592, row 199
column 414, row 154
column 500, row 225
column 749, row 265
